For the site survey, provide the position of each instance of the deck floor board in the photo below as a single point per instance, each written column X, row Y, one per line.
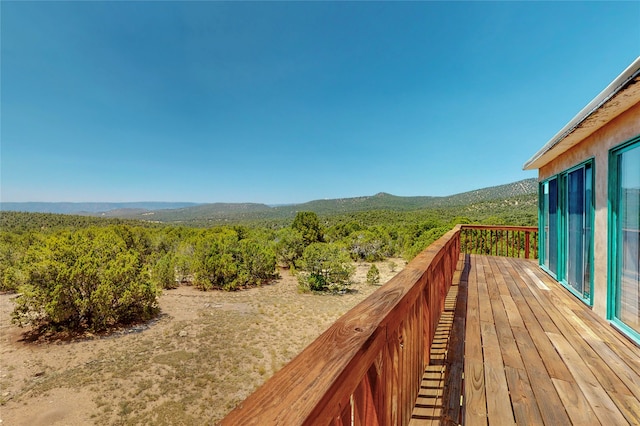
column 535, row 354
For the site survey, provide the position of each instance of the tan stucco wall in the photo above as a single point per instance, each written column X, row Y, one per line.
column 597, row 146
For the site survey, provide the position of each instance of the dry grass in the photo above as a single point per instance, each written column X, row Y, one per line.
column 206, row 353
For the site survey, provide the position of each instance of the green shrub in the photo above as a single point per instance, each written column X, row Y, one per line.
column 91, row 279
column 325, row 267
column 222, row 261
column 163, row 273
column 373, row 275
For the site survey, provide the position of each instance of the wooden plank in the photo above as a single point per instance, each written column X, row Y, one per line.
column 603, row 406
column 595, row 323
column 532, row 294
column 495, row 264
column 473, row 343
column 499, row 405
column 511, row 309
column 575, row 403
column 599, row 366
column 628, row 352
column 549, row 403
column 525, row 408
column 625, row 373
column 555, row 303
column 602, row 385
column 486, row 315
column 475, row 402
column 561, row 307
column 509, row 349
column 630, row 408
column 537, row 322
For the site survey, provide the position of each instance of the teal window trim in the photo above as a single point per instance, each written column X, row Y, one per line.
column 563, row 249
column 541, row 247
column 543, row 225
column 626, row 330
column 612, row 237
column 592, row 228
column 561, row 228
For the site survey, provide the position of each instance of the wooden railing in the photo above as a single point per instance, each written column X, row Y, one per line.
column 367, row 367
column 510, row 241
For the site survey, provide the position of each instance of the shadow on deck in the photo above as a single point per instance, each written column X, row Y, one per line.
column 514, row 347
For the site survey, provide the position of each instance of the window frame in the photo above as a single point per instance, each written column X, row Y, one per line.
column 612, row 237
column 561, row 226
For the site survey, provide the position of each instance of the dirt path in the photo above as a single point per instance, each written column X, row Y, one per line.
column 205, row 353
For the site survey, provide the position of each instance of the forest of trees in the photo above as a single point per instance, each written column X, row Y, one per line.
column 80, row 273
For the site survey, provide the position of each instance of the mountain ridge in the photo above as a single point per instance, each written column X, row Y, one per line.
column 181, row 212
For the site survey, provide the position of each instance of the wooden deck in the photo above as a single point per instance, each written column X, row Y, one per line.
column 533, row 354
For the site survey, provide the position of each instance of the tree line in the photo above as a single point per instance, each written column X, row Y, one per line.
column 88, row 274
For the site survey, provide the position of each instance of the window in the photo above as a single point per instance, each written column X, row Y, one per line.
column 624, row 234
column 578, row 230
column 566, row 212
column 549, row 234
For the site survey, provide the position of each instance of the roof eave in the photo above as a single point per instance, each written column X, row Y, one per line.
column 544, row 155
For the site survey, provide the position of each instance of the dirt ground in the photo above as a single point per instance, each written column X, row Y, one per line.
column 205, row 353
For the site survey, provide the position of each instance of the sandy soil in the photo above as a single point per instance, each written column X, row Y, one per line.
column 205, row 353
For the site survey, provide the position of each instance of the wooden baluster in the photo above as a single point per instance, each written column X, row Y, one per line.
column 519, row 243
column 368, row 397
column 491, row 241
column 478, row 234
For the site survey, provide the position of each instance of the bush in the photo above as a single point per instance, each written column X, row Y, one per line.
column 308, row 225
column 90, row 279
column 325, row 267
column 221, row 261
column 367, row 245
column 163, row 273
column 373, row 275
column 289, row 246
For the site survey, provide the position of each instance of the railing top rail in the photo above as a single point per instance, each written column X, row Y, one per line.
column 501, row 227
column 339, row 358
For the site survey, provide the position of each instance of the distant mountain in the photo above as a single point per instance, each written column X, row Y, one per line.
column 523, row 187
column 380, row 201
column 234, row 212
column 88, row 208
column 384, row 201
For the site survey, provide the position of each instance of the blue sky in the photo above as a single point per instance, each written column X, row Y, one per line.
column 281, row 102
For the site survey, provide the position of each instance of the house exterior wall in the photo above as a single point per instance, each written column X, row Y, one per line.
column 619, row 130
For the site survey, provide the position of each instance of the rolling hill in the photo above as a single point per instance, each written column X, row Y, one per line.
column 234, row 212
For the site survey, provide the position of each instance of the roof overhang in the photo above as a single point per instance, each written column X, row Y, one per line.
column 616, row 98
